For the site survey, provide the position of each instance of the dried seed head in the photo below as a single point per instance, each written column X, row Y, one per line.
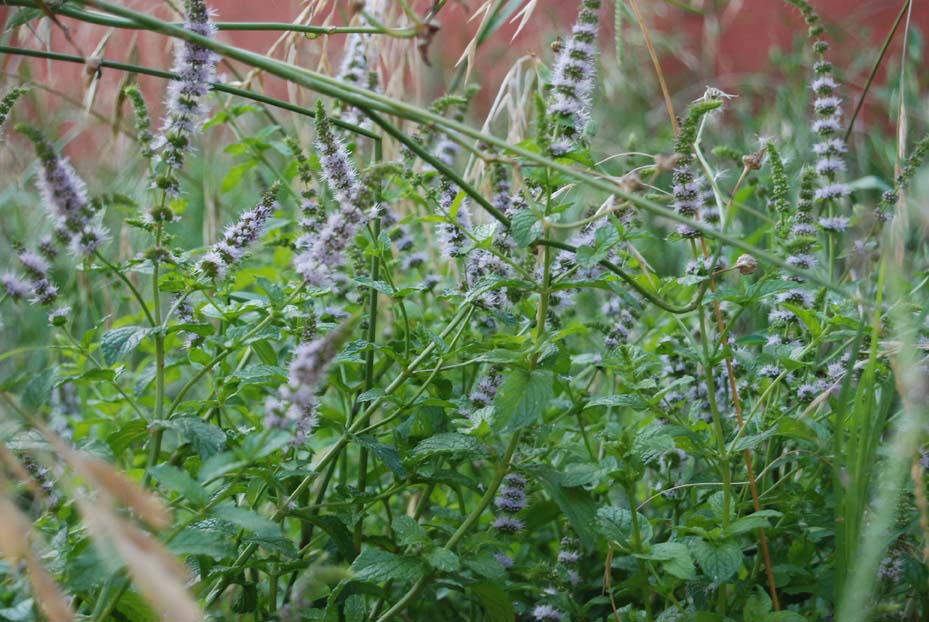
column 746, row 264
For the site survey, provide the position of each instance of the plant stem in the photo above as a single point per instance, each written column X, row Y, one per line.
column 462, row 530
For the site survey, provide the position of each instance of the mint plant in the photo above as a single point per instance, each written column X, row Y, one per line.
column 364, row 361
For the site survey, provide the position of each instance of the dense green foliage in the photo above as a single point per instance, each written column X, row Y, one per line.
column 426, row 372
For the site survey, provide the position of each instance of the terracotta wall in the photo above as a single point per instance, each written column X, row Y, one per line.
column 733, row 39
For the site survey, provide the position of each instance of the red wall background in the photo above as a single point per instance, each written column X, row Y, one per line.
column 745, row 32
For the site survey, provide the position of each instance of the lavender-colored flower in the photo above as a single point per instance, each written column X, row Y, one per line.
column 89, row 240
column 505, row 560
column 824, row 85
column 803, row 261
column 622, row 322
column 237, row 238
column 830, row 147
column 511, row 501
column 799, row 297
column 414, row 260
column 508, row 525
column 835, row 224
column 515, row 479
column 803, row 229
column 781, row 316
column 43, row 292
column 829, row 166
column 832, row 192
column 807, row 391
column 212, row 266
column 63, row 191
column 568, row 557
column 769, row 371
column 195, row 67
column 547, row 613
column 335, row 164
column 15, row 287
column 572, row 83
column 296, row 405
column 325, row 253
column 826, row 105
column 47, row 247
column 486, row 390
column 452, row 238
column 59, row 316
column 827, row 126
column 34, row 264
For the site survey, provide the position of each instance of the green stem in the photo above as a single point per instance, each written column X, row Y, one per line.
column 135, row 292
column 216, row 86
column 102, row 19
column 335, row 450
column 462, row 530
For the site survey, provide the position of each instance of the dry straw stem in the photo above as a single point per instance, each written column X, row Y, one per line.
column 158, row 575
column 15, row 534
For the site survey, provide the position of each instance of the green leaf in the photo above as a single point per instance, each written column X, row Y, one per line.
column 336, row 530
column 751, row 522
column 495, row 601
column 525, row 227
column 675, row 557
column 719, row 561
column 127, row 434
column 355, row 608
column 40, row 386
column 576, row 504
column 615, row 523
column 210, row 538
column 522, row 398
column 234, row 177
column 409, row 531
column 205, row 438
column 486, row 565
column 443, row 560
column 748, row 442
column 385, row 453
column 450, row 443
column 119, row 342
column 261, row 374
column 377, row 566
column 180, row 481
column 249, row 520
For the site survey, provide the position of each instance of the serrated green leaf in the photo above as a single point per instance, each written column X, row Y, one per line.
column 261, row 374
column 386, row 454
column 486, row 565
column 615, row 523
column 180, row 481
column 378, row 566
column 205, row 438
column 450, row 443
column 719, row 561
column 248, row 519
column 210, row 538
column 119, row 342
column 408, row 531
column 525, row 227
column 522, row 398
column 443, row 560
